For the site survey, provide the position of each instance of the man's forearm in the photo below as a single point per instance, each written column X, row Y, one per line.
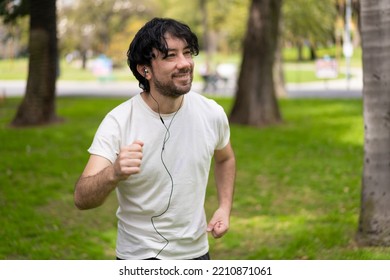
column 225, row 177
column 91, row 191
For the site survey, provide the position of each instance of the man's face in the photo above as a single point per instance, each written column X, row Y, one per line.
column 172, row 75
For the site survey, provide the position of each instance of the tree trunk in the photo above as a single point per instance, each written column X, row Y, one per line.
column 256, row 102
column 84, row 59
column 374, row 222
column 206, row 33
column 313, row 53
column 279, row 80
column 38, row 105
column 300, row 51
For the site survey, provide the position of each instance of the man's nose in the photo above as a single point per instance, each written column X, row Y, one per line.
column 184, row 62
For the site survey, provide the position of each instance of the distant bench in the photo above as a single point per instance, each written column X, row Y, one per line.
column 224, row 76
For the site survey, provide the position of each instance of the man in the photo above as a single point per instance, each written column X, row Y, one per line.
column 156, row 149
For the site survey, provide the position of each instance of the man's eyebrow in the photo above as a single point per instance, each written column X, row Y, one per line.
column 185, row 48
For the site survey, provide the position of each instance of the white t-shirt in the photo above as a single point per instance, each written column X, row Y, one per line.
column 199, row 127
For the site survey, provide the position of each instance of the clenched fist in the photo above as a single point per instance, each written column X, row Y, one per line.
column 129, row 160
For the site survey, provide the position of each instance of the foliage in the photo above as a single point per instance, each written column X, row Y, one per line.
column 91, row 25
column 10, row 10
column 120, row 42
column 227, row 23
column 14, row 38
column 108, row 26
column 13, row 28
column 309, row 20
column 185, row 13
column 229, row 19
column 297, row 190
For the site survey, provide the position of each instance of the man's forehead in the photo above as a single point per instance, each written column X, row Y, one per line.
column 173, row 40
column 172, row 43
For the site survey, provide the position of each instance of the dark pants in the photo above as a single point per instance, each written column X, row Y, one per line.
column 204, row 257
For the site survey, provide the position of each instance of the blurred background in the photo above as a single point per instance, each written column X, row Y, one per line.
column 299, row 169
column 89, row 31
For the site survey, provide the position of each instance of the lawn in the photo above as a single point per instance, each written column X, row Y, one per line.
column 297, row 190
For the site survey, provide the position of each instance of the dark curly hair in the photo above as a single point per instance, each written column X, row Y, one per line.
column 151, row 36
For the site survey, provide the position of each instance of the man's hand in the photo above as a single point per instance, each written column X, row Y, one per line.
column 129, row 160
column 219, row 224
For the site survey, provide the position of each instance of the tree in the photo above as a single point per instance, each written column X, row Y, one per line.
column 38, row 105
column 256, row 102
column 309, row 22
column 10, row 10
column 227, row 20
column 374, row 222
column 91, row 26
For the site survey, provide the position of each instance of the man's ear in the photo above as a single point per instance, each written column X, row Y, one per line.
column 143, row 70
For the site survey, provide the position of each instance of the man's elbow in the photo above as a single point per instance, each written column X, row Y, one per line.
column 79, row 202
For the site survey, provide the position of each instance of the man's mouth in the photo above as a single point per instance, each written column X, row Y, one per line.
column 183, row 77
column 184, row 74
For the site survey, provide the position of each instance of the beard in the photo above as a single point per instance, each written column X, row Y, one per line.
column 172, row 89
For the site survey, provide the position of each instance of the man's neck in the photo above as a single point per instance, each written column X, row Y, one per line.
column 162, row 104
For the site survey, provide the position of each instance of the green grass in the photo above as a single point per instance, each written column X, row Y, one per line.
column 297, row 190
column 17, row 69
column 290, row 55
column 304, row 72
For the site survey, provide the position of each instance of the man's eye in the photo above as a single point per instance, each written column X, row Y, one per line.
column 171, row 54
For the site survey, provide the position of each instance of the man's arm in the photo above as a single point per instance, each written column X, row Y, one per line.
column 100, row 177
column 225, row 171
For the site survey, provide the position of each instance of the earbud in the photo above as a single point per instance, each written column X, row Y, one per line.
column 146, row 71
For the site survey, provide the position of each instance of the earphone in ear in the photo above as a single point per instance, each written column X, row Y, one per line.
column 146, row 71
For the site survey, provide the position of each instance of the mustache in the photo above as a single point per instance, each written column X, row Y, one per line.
column 183, row 71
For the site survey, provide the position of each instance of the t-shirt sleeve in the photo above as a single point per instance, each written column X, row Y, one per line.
column 223, row 129
column 106, row 142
